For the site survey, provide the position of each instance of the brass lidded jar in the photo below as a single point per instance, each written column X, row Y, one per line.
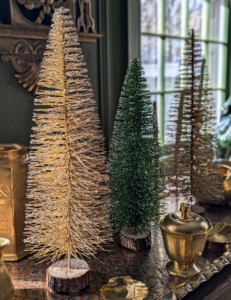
column 184, row 234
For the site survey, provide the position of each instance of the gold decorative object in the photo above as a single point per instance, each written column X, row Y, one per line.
column 13, row 176
column 191, row 132
column 6, row 285
column 225, row 171
column 223, row 168
column 220, row 233
column 180, row 291
column 125, row 287
column 68, row 210
column 184, row 234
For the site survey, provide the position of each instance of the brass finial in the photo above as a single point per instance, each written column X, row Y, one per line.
column 185, row 210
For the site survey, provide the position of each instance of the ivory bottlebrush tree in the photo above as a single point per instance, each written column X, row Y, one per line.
column 191, row 129
column 134, row 157
column 67, row 214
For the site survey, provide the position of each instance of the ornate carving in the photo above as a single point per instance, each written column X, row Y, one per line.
column 23, row 42
column 47, row 7
column 25, row 56
column 21, row 32
column 85, row 22
column 31, row 4
column 28, row 67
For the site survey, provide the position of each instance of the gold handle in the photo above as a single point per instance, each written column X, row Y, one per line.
column 185, row 210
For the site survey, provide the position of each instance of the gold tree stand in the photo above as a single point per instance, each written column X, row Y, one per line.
column 68, row 279
column 136, row 242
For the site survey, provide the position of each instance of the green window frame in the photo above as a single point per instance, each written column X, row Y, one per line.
column 213, row 23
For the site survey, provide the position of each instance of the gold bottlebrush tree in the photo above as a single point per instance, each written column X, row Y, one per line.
column 67, row 214
column 191, row 127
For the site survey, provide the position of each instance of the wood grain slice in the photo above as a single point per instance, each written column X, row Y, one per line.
column 62, row 279
column 137, row 242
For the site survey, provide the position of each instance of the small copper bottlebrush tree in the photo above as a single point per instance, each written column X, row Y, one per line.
column 134, row 163
column 191, row 129
column 67, row 215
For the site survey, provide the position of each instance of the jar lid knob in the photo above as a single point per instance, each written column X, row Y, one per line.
column 185, row 210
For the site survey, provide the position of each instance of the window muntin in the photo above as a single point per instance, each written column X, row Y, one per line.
column 164, row 27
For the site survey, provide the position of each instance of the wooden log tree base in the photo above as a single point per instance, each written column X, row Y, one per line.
column 138, row 242
column 62, row 279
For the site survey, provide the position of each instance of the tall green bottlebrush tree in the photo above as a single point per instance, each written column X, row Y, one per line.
column 134, row 157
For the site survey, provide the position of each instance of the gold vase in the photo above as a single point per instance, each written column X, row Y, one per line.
column 13, row 177
column 6, row 285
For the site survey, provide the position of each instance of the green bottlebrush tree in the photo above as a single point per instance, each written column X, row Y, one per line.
column 134, row 157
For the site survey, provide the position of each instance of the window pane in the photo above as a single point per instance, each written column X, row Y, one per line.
column 219, row 99
column 149, row 60
column 219, row 14
column 168, row 98
column 195, row 15
column 204, row 47
column 217, row 65
column 148, row 15
column 173, row 17
column 156, row 108
column 172, row 60
column 154, row 102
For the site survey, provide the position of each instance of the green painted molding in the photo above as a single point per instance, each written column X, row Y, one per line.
column 134, row 29
column 113, row 47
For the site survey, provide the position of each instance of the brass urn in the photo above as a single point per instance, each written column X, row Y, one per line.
column 6, row 285
column 184, row 234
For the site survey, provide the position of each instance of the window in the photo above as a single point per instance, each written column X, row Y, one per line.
column 164, row 29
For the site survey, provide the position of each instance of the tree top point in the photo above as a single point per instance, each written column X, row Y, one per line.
column 62, row 10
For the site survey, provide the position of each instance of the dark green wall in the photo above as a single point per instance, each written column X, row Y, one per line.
column 16, row 106
column 106, row 60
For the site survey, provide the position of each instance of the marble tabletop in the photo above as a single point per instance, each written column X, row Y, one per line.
column 29, row 278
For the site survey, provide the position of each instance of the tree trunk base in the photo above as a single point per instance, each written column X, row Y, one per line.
column 129, row 240
column 62, row 279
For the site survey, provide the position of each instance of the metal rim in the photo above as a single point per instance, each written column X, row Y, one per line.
column 8, row 149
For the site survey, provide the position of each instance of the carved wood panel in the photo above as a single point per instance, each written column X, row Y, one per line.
column 23, row 42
